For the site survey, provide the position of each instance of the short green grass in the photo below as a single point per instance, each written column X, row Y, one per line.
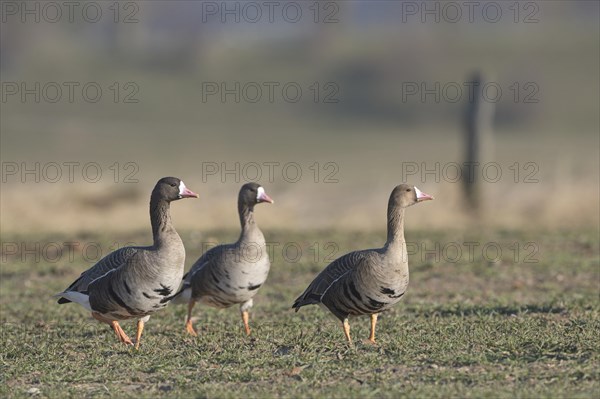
column 524, row 323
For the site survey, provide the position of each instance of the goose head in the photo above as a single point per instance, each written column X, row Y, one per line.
column 253, row 193
column 172, row 189
column 405, row 195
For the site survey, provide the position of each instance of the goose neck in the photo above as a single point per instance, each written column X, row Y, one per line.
column 160, row 218
column 395, row 226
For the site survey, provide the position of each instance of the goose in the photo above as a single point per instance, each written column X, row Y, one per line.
column 134, row 282
column 231, row 274
column 370, row 281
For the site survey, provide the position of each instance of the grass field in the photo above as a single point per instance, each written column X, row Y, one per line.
column 473, row 324
column 504, row 301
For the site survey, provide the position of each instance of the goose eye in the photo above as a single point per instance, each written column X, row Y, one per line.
column 408, row 190
column 173, row 185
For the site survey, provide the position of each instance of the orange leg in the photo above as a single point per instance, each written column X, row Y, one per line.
column 245, row 317
column 120, row 333
column 121, row 336
column 138, row 335
column 188, row 324
column 346, row 326
column 373, row 323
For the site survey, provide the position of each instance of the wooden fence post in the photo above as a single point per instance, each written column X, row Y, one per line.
column 478, row 140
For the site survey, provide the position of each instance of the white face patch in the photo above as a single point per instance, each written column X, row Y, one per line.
column 260, row 193
column 182, row 187
column 419, row 192
column 421, row 196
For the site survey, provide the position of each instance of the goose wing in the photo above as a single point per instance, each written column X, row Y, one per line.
column 334, row 271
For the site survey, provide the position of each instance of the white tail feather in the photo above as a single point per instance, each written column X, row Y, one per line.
column 77, row 297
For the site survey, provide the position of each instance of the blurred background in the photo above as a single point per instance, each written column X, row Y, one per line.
column 328, row 104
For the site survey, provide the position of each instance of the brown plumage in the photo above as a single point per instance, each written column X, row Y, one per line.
column 370, row 281
column 134, row 282
column 231, row 274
